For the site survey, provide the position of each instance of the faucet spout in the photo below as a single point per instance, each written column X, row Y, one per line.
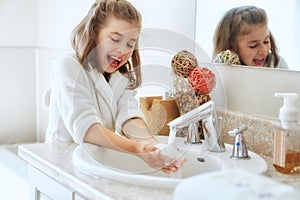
column 210, row 122
column 212, row 133
column 193, row 135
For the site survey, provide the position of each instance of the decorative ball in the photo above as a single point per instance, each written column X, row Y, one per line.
column 228, row 57
column 202, row 80
column 183, row 63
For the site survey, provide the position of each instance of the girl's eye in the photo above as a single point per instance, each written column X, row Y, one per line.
column 115, row 39
column 131, row 45
column 253, row 46
column 266, row 42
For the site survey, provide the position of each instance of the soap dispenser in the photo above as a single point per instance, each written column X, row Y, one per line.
column 287, row 137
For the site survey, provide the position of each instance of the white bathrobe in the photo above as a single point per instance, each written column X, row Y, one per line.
column 80, row 99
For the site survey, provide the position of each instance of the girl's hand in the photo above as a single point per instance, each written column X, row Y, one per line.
column 155, row 159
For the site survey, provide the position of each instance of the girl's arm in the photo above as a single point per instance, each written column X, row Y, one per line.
column 137, row 129
column 101, row 136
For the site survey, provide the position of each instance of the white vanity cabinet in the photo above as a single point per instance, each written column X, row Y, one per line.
column 43, row 187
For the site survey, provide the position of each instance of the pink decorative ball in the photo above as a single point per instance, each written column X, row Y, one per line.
column 202, row 80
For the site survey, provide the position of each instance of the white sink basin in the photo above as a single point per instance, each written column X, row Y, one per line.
column 122, row 167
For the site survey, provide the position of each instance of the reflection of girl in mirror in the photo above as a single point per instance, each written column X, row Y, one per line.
column 92, row 100
column 244, row 31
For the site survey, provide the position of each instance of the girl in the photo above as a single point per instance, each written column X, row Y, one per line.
column 92, row 97
column 244, row 31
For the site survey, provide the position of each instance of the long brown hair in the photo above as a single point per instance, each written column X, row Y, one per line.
column 84, row 35
column 235, row 23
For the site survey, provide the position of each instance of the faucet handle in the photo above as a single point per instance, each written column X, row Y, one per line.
column 239, row 129
column 239, row 150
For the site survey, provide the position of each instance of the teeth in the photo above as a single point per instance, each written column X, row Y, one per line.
column 115, row 58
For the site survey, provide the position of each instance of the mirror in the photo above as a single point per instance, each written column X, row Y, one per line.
column 256, row 95
column 197, row 20
column 282, row 17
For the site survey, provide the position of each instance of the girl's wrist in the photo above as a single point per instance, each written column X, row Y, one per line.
column 136, row 147
column 139, row 147
column 143, row 147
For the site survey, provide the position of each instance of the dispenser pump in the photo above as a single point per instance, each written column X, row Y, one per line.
column 288, row 112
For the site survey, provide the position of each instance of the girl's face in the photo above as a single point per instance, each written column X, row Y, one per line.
column 115, row 43
column 254, row 47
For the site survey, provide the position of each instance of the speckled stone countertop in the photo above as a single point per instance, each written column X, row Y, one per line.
column 55, row 160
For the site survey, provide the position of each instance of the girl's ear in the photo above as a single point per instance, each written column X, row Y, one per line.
column 233, row 49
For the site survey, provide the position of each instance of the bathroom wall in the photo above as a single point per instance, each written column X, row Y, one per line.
column 32, row 34
column 18, row 20
column 17, row 70
column 17, row 100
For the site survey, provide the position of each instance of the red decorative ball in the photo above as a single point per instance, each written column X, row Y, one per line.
column 202, row 80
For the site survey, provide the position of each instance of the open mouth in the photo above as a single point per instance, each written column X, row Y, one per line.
column 113, row 61
column 259, row 62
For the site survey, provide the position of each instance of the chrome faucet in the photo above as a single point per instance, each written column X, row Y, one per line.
column 210, row 122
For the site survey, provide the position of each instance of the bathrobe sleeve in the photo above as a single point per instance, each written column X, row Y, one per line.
column 128, row 108
column 75, row 97
column 127, row 104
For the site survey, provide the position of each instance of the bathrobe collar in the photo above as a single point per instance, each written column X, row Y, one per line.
column 109, row 91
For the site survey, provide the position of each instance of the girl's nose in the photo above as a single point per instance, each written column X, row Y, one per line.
column 123, row 49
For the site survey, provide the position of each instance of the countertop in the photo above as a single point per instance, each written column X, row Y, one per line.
column 55, row 160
